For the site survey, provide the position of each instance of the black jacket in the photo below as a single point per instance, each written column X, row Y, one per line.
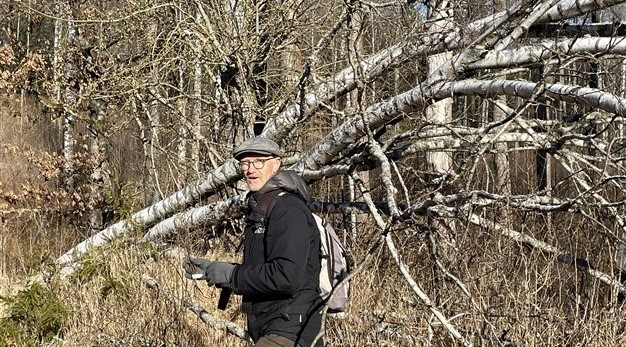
column 279, row 277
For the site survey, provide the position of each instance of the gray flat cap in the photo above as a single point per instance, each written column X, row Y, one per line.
column 260, row 145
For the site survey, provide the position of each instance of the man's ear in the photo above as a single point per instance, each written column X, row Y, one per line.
column 277, row 166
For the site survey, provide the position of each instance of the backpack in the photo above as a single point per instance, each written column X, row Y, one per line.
column 334, row 266
column 334, row 263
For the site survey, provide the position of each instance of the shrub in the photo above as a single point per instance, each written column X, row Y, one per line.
column 35, row 315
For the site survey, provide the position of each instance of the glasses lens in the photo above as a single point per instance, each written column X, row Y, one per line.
column 258, row 164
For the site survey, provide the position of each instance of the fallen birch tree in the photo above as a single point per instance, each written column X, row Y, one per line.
column 325, row 92
column 386, row 136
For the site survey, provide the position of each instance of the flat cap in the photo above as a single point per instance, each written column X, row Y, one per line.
column 260, row 145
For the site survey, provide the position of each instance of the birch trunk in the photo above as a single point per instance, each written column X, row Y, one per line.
column 97, row 179
column 393, row 56
column 197, row 107
column 56, row 59
column 355, row 98
column 375, row 115
column 69, row 99
column 181, row 106
column 440, row 112
column 378, row 114
column 501, row 160
column 440, row 162
column 151, row 154
column 238, row 124
column 337, row 140
column 291, row 59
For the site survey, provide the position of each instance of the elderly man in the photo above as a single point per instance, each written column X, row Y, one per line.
column 279, row 277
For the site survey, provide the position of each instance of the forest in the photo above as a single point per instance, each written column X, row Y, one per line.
column 470, row 155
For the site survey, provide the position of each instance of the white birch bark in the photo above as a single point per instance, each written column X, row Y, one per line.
column 444, row 139
column 96, row 148
column 181, row 105
column 69, row 99
column 199, row 216
column 376, row 115
column 622, row 89
column 149, row 215
column 339, row 139
column 562, row 10
column 550, row 49
column 202, row 313
column 440, row 112
column 197, row 107
column 390, row 57
column 152, row 190
column 56, row 58
column 503, row 172
column 544, row 247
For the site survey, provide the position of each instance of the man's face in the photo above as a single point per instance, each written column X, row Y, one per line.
column 257, row 169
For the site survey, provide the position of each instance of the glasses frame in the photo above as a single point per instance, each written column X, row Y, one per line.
column 258, row 164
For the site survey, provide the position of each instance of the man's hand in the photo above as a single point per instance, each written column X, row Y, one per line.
column 214, row 272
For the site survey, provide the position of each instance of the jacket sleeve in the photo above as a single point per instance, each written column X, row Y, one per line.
column 288, row 242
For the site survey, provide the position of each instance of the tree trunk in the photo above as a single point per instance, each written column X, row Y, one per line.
column 354, row 104
column 440, row 162
column 543, row 166
column 236, row 81
column 501, row 160
column 28, row 32
column 439, row 113
column 97, row 151
column 351, row 131
column 181, row 107
column 197, row 107
column 152, row 154
column 183, row 138
column 3, row 241
column 64, row 72
column 354, row 99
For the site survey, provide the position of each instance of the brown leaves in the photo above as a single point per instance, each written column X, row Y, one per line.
column 41, row 187
column 18, row 72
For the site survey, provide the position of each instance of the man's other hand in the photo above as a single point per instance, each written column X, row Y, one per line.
column 214, row 272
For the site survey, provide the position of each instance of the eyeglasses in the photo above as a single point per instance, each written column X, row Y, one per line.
column 258, row 163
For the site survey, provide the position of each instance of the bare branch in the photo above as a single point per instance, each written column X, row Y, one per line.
column 403, row 268
column 205, row 316
column 546, row 248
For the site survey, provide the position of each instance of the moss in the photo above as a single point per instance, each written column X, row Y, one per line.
column 35, row 315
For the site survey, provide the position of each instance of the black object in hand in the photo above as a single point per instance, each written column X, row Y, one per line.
column 224, row 297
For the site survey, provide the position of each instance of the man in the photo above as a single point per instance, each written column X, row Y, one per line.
column 279, row 277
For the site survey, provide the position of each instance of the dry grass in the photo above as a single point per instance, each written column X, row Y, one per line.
column 522, row 296
column 114, row 307
column 518, row 295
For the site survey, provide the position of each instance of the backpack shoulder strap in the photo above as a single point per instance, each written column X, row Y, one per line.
column 267, row 202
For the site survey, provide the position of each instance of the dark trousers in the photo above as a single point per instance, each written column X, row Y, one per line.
column 273, row 340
